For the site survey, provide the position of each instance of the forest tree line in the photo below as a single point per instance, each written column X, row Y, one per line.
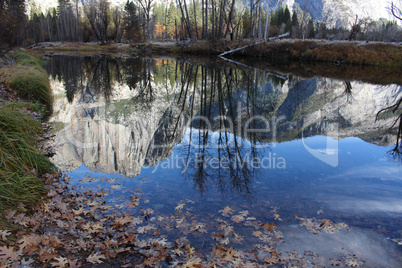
column 141, row 20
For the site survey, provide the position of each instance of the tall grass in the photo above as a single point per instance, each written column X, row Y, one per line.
column 30, row 80
column 21, row 162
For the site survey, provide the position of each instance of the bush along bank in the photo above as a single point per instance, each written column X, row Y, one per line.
column 22, row 163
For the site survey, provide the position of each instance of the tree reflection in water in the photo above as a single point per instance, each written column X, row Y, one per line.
column 222, row 110
column 396, row 152
column 90, row 76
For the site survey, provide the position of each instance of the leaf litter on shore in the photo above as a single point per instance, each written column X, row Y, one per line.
column 81, row 227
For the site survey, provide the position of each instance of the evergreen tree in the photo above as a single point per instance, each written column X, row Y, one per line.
column 12, row 24
column 311, row 31
column 171, row 18
column 131, row 21
column 295, row 26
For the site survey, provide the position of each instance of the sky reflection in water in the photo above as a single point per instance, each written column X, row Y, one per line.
column 360, row 186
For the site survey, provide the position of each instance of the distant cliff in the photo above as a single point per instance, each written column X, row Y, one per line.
column 340, row 13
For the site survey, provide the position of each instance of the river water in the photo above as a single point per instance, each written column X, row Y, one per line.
column 236, row 146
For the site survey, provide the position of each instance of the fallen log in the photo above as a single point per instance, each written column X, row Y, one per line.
column 240, row 48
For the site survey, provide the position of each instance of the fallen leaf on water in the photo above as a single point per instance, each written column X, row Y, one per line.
column 226, row 211
column 237, row 218
column 179, row 206
column 277, row 216
column 257, row 233
column 268, row 226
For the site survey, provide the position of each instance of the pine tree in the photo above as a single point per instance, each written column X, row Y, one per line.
column 171, row 18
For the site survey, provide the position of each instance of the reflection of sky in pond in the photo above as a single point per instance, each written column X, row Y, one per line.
column 138, row 118
column 362, row 191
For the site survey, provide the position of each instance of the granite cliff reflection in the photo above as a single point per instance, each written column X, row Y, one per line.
column 118, row 115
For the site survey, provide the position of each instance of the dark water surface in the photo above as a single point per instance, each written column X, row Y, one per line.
column 192, row 137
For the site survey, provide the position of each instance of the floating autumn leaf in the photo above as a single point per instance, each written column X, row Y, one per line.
column 60, row 262
column 193, row 263
column 155, row 233
column 225, row 241
column 316, row 226
column 353, row 263
column 270, row 260
column 121, row 221
column 277, row 217
column 238, row 239
column 257, row 233
column 227, row 211
column 218, row 236
column 96, row 258
column 4, row 234
column 189, row 250
column 237, row 218
column 79, row 211
column 116, row 186
column 244, row 213
column 180, row 206
column 268, row 226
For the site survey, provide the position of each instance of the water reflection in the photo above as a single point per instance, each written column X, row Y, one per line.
column 205, row 138
column 122, row 114
column 396, row 152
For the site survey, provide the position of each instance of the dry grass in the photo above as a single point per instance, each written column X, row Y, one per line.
column 284, row 51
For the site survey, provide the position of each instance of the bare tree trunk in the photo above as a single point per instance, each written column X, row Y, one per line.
column 221, row 19
column 203, row 20
column 190, row 28
column 195, row 20
column 251, row 18
column 206, row 19
column 230, row 22
column 266, row 24
column 259, row 33
column 213, row 19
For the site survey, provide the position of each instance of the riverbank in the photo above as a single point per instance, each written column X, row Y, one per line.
column 25, row 99
column 282, row 51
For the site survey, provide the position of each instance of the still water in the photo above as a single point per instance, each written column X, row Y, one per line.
column 224, row 147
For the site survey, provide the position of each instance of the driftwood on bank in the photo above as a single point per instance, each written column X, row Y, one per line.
column 240, row 48
column 253, row 68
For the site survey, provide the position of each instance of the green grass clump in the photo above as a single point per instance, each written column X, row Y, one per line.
column 29, row 79
column 21, row 162
column 26, row 59
column 32, row 83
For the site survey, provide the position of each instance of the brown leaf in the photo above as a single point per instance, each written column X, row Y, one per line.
column 46, row 256
column 60, row 262
column 226, row 211
column 96, row 258
column 269, row 227
column 9, row 253
column 4, row 234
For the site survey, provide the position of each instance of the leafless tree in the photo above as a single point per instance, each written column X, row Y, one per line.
column 396, row 11
column 97, row 13
column 146, row 6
